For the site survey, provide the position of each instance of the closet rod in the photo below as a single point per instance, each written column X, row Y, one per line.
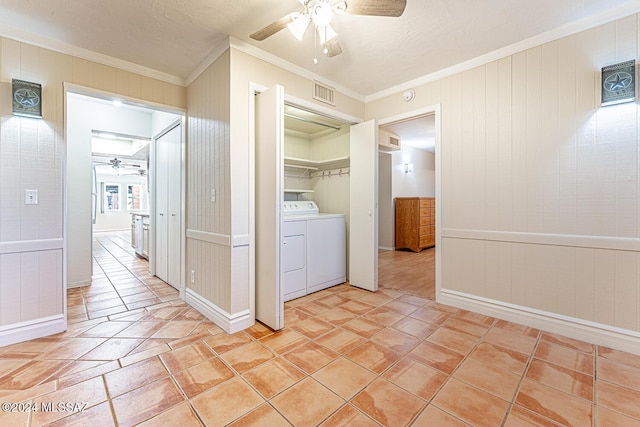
column 302, row 119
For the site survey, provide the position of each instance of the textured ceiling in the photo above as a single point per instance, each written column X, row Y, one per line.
column 175, row 36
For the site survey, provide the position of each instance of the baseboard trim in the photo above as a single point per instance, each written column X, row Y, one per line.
column 37, row 328
column 584, row 330
column 230, row 323
column 386, row 248
column 78, row 284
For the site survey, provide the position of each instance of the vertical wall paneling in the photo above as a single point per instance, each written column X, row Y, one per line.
column 32, row 156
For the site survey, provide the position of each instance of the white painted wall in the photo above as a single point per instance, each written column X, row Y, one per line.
column 83, row 115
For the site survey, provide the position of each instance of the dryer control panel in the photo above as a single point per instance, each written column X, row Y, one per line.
column 300, row 207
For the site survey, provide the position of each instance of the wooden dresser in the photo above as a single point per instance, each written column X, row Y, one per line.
column 415, row 223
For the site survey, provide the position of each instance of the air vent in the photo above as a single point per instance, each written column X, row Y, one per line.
column 394, row 141
column 324, row 93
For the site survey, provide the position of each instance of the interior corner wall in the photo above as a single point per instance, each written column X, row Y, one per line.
column 32, row 156
column 208, row 251
column 540, row 185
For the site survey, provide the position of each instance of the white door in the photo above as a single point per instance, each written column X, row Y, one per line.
column 269, row 197
column 168, row 206
column 363, row 206
column 174, row 139
column 161, row 208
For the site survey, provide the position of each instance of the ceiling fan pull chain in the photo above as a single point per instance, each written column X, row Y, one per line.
column 315, row 44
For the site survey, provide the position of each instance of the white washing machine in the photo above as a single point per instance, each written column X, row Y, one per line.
column 314, row 249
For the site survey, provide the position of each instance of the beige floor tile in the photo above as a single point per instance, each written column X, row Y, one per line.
column 273, row 377
column 561, row 378
column 509, row 360
column 186, row 357
column 91, row 393
column 489, row 378
column 554, row 404
column 112, row 349
column 620, row 356
column 397, row 341
column 344, row 377
column 221, row 343
column 431, row 315
column 364, row 328
column 513, row 341
column 384, row 316
column 203, row 376
column 372, row 356
column 258, row 330
column 336, row 316
column 608, row 418
column 133, row 376
column 432, row 417
column 415, row 327
column 520, row 417
column 247, row 357
column 177, row 329
column 470, row 404
column 146, row 402
column 568, row 342
column 340, row 341
column 310, row 357
column 349, row 416
column 180, row 415
column 312, row 327
column 99, row 415
column 263, row 415
column 356, row 307
column 307, row 403
column 400, row 307
column 438, row 357
column 141, row 329
column 619, row 374
column 284, row 341
column 419, row 379
column 388, row 404
column 226, row 402
column 565, row 356
column 619, row 399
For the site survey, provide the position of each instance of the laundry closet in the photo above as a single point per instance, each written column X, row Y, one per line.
column 316, row 202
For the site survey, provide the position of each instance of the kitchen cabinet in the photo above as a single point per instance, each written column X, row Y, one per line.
column 415, row 223
column 140, row 233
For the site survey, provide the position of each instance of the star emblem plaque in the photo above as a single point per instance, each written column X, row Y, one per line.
column 618, row 83
column 27, row 98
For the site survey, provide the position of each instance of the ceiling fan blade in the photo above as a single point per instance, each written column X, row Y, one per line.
column 273, row 28
column 333, row 47
column 376, row 7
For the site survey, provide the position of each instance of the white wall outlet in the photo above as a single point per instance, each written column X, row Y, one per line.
column 30, row 197
column 213, row 195
column 193, row 277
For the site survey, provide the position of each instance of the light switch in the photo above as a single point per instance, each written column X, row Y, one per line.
column 30, row 197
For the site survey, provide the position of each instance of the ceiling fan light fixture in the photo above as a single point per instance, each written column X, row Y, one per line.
column 321, row 13
column 298, row 26
column 326, row 33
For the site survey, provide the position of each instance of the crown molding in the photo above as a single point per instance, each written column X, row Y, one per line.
column 215, row 53
column 256, row 52
column 68, row 49
column 549, row 36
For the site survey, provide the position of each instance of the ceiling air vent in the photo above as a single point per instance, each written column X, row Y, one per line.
column 324, row 93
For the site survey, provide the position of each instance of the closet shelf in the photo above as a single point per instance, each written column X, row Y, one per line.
column 297, row 190
column 316, row 164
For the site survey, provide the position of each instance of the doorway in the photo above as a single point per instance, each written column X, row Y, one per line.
column 408, row 172
column 110, row 154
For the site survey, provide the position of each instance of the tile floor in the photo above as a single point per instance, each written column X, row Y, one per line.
column 347, row 357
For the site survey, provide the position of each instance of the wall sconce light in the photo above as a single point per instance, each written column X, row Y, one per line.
column 408, row 167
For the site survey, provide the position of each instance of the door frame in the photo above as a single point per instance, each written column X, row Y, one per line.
column 434, row 109
column 254, row 89
column 126, row 100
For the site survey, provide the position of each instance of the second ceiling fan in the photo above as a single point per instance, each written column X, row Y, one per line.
column 320, row 14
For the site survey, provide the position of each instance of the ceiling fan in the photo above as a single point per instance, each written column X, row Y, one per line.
column 320, row 13
column 117, row 164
